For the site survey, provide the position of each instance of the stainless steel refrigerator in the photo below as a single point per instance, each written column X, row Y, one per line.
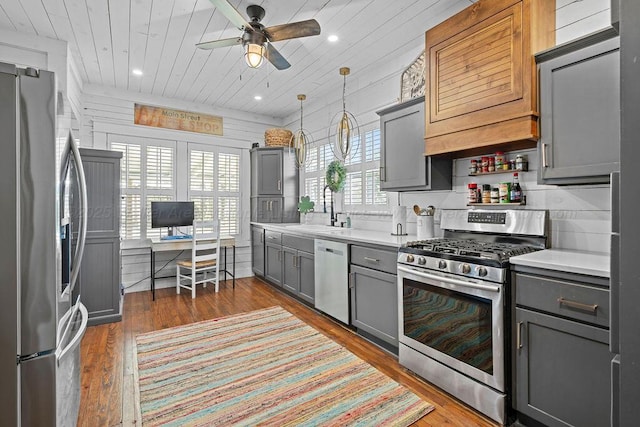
column 42, row 319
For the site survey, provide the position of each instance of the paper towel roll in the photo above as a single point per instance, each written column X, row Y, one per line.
column 399, row 220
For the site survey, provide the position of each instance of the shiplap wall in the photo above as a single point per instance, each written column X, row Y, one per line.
column 580, row 215
column 30, row 50
column 110, row 112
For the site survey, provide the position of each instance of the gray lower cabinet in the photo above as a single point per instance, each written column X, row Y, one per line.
column 257, row 250
column 374, row 294
column 298, row 273
column 99, row 280
column 403, row 165
column 273, row 263
column 100, row 274
column 561, row 349
column 580, row 110
column 374, row 307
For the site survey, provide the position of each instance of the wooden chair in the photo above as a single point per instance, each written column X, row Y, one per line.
column 203, row 266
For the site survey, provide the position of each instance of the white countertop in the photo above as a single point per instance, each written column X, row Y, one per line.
column 350, row 235
column 570, row 261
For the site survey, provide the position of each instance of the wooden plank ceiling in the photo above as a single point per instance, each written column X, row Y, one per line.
column 109, row 38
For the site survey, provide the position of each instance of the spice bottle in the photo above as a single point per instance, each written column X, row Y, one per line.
column 485, row 164
column 486, row 193
column 521, row 162
column 474, row 166
column 499, row 160
column 515, row 194
column 495, row 195
column 492, row 164
column 473, row 192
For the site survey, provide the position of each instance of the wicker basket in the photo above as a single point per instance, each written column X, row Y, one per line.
column 277, row 137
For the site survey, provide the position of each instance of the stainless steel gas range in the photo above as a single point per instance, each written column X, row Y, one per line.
column 454, row 303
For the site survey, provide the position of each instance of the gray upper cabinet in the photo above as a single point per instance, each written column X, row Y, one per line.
column 100, row 275
column 403, row 165
column 274, row 185
column 580, row 110
column 269, row 172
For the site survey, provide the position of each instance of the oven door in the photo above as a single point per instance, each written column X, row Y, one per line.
column 456, row 321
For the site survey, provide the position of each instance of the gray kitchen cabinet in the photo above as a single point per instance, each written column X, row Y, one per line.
column 257, row 250
column 374, row 307
column 580, row 110
column 298, row 276
column 269, row 172
column 374, row 294
column 403, row 165
column 273, row 263
column 273, row 256
column 100, row 274
column 561, row 349
column 269, row 209
column 274, row 185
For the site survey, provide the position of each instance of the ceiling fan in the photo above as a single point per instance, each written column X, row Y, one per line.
column 257, row 39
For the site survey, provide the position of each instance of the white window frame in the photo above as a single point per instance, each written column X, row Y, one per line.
column 362, row 167
column 217, row 193
column 143, row 191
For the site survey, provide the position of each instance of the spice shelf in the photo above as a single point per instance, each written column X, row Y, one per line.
column 497, row 204
column 497, row 172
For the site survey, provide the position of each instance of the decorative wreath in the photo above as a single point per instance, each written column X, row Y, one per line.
column 336, row 175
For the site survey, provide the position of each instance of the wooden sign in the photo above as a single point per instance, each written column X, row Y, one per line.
column 159, row 117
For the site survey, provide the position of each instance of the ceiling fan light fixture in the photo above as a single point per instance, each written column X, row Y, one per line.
column 254, row 54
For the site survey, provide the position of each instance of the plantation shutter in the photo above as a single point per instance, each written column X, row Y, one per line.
column 229, row 193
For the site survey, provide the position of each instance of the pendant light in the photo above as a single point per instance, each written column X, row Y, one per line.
column 301, row 141
column 345, row 126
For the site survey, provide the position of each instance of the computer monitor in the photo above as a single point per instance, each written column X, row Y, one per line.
column 171, row 214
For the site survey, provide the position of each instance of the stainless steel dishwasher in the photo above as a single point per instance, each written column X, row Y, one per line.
column 331, row 274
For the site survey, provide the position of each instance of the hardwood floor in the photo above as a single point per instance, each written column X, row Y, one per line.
column 107, row 395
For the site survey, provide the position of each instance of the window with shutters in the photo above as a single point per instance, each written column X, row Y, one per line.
column 362, row 186
column 362, row 189
column 318, row 159
column 147, row 174
column 214, row 185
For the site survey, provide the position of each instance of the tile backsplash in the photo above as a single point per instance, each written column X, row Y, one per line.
column 580, row 215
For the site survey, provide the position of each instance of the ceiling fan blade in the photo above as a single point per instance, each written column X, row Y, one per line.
column 276, row 58
column 293, row 30
column 220, row 43
column 231, row 13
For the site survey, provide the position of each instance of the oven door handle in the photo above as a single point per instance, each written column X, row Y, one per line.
column 449, row 280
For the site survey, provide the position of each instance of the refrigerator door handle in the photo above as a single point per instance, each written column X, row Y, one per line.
column 71, row 149
column 60, row 353
column 65, row 323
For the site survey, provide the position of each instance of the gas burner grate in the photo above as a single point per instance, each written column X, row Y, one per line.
column 472, row 248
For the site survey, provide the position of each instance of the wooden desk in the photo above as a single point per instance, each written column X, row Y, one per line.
column 159, row 245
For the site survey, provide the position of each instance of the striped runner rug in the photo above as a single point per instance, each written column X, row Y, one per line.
column 265, row 367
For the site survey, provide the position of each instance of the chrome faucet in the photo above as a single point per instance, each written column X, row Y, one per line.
column 334, row 217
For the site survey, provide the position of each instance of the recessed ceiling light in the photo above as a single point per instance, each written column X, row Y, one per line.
column 137, row 71
column 332, row 38
column 257, row 97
